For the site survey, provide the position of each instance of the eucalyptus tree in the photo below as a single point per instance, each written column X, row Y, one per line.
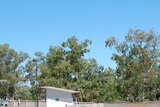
column 109, row 88
column 32, row 73
column 137, row 58
column 23, row 93
column 96, row 84
column 64, row 63
column 89, row 83
column 11, row 67
column 66, row 67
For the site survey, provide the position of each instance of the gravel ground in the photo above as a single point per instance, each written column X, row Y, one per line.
column 144, row 104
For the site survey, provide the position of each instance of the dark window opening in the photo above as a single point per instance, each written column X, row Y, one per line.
column 57, row 99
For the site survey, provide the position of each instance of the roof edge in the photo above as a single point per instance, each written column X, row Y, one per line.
column 60, row 89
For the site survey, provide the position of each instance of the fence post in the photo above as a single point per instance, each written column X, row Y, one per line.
column 26, row 103
column 13, row 104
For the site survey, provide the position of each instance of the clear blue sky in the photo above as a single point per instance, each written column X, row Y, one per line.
column 35, row 25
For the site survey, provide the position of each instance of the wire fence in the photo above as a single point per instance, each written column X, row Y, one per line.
column 30, row 103
column 27, row 103
column 125, row 104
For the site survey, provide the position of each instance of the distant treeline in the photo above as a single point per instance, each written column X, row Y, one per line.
column 135, row 78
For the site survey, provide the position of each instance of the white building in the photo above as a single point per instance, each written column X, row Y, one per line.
column 58, row 97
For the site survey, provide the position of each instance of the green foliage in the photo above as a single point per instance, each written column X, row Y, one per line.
column 64, row 63
column 137, row 61
column 66, row 67
column 136, row 77
column 23, row 93
column 10, row 68
column 110, row 86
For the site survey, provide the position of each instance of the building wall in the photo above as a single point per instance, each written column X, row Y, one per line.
column 58, row 98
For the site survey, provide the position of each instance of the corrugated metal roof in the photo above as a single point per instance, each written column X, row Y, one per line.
column 59, row 89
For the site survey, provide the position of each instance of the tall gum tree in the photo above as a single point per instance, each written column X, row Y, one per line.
column 138, row 61
column 11, row 69
column 64, row 63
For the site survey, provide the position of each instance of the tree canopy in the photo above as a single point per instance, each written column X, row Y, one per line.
column 138, row 62
column 135, row 78
column 11, row 69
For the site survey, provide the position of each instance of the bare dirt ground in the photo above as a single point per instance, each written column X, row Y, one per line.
column 144, row 104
